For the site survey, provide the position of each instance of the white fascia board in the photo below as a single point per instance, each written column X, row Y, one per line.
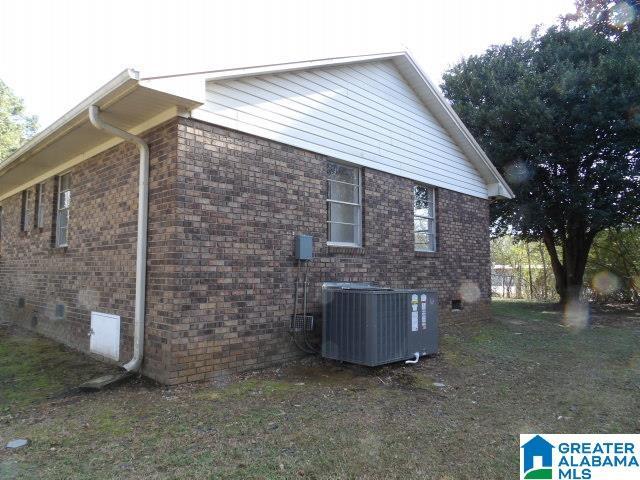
column 117, row 87
column 462, row 134
column 294, row 66
column 219, row 74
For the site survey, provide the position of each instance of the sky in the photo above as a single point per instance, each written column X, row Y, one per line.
column 54, row 53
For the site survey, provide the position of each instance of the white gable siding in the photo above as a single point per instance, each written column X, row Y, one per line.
column 362, row 113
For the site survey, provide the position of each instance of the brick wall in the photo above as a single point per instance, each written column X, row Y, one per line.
column 224, row 210
column 97, row 270
column 243, row 198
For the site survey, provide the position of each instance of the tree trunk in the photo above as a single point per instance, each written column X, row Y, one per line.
column 569, row 273
column 544, row 272
column 556, row 265
column 530, row 275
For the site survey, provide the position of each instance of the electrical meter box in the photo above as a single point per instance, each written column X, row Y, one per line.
column 304, row 247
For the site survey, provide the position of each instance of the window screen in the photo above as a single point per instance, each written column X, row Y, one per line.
column 24, row 211
column 63, row 204
column 424, row 219
column 344, row 210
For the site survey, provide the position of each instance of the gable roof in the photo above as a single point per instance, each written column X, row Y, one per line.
column 411, row 71
column 137, row 104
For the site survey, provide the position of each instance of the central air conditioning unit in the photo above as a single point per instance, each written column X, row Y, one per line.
column 372, row 326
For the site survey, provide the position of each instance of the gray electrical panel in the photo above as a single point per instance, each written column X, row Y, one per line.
column 304, row 247
column 372, row 326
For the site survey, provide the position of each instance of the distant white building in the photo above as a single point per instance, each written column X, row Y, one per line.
column 508, row 281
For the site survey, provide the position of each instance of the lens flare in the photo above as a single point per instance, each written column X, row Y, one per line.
column 517, row 172
column 576, row 315
column 621, row 15
column 605, row 282
column 469, row 291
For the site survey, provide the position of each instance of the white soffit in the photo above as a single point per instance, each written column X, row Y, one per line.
column 72, row 139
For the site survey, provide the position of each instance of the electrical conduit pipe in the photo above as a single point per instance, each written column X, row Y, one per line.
column 141, row 246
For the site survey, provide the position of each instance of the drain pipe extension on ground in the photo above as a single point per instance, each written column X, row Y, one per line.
column 415, row 360
column 141, row 247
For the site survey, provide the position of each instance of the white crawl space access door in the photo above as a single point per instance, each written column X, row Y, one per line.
column 105, row 335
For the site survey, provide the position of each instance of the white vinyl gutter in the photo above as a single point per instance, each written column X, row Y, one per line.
column 141, row 247
column 118, row 87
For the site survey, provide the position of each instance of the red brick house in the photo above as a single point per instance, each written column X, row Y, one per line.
column 362, row 153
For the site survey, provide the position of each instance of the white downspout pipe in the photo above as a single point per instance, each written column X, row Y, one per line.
column 141, row 247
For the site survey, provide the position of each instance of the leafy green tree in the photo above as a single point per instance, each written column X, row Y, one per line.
column 15, row 125
column 613, row 270
column 559, row 114
column 524, row 266
column 611, row 17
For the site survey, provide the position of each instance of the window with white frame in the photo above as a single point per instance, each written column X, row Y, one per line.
column 39, row 206
column 63, row 204
column 344, row 205
column 24, row 211
column 424, row 218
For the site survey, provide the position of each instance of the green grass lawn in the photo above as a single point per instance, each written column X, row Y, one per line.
column 522, row 372
column 33, row 369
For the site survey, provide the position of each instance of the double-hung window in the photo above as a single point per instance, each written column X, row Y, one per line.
column 344, row 205
column 424, row 218
column 63, row 205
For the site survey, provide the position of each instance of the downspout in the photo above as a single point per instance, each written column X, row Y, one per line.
column 141, row 247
